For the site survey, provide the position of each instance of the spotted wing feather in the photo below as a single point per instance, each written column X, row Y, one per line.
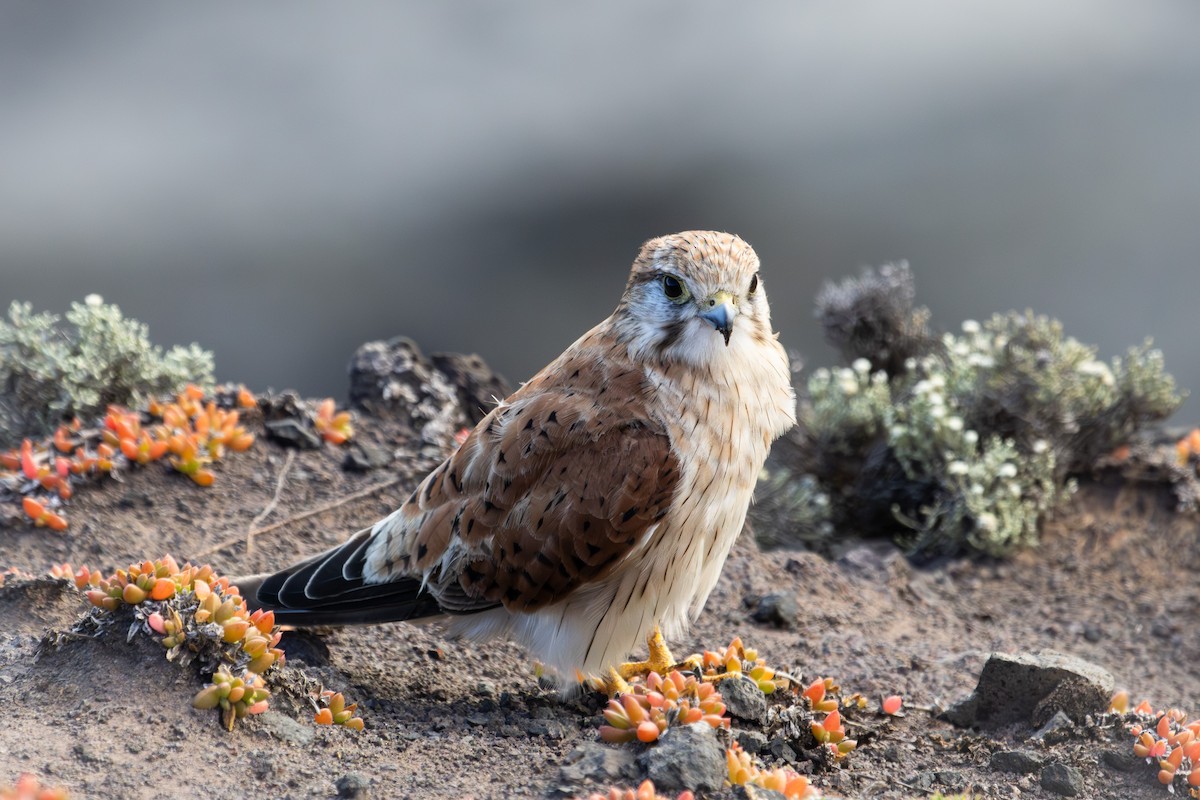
column 550, row 492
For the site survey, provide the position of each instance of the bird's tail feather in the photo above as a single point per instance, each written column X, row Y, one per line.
column 329, row 589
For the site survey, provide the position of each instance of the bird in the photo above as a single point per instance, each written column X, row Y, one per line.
column 594, row 508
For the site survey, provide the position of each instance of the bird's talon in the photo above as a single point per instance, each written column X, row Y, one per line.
column 614, row 683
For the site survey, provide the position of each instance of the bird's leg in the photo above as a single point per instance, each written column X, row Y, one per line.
column 658, row 660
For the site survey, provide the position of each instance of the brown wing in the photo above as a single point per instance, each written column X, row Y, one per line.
column 548, row 493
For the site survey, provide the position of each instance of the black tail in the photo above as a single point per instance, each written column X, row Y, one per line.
column 328, row 589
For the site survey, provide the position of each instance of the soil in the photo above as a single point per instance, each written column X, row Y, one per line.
column 1113, row 582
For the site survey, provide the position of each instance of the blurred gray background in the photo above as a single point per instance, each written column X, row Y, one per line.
column 280, row 183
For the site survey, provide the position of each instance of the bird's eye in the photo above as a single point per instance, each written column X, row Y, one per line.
column 753, row 284
column 673, row 289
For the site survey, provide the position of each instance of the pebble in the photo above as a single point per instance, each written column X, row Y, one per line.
column 744, row 700
column 1015, row 761
column 779, row 610
column 1062, row 779
column 752, row 742
column 352, row 785
column 1122, row 760
column 286, row 729
column 594, row 761
column 687, row 758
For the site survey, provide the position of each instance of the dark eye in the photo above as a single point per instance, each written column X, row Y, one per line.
column 672, row 288
column 753, row 284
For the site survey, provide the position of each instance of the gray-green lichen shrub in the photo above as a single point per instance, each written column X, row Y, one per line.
column 873, row 317
column 789, row 508
column 50, row 370
column 970, row 443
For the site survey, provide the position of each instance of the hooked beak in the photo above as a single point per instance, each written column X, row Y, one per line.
column 721, row 312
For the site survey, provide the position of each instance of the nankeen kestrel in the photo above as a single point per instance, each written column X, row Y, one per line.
column 598, row 501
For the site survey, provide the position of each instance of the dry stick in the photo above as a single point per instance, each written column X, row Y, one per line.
column 312, row 512
column 287, row 463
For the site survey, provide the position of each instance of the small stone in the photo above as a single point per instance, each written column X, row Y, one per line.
column 547, row 729
column 286, row 729
column 1122, row 760
column 779, row 610
column 1062, row 779
column 1015, row 761
column 891, row 753
column 601, row 763
column 90, row 754
column 132, row 499
column 352, row 785
column 1057, row 729
column 292, row 433
column 744, row 700
column 262, row 764
column 871, row 559
column 752, row 742
column 962, row 713
column 923, row 781
column 364, row 457
column 780, row 749
column 687, row 757
column 950, row 778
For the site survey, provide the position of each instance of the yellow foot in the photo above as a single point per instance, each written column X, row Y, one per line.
column 659, row 660
column 721, row 676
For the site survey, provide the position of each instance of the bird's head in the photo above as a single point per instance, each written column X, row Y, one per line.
column 693, row 297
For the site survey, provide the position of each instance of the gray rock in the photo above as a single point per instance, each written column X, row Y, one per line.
column 1062, row 779
column 1017, row 761
column 744, row 700
column 779, row 610
column 352, row 785
column 89, row 753
column 962, row 713
column 477, row 386
column 1122, row 760
column 1058, row 728
column 286, row 729
column 872, row 558
column 780, row 750
column 395, row 376
column 547, row 729
column 1032, row 688
column 952, row 779
column 687, row 757
column 292, row 433
column 364, row 457
column 594, row 761
column 752, row 742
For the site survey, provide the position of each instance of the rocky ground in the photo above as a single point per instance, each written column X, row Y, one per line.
column 1113, row 584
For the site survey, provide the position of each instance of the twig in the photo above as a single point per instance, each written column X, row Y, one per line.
column 312, row 512
column 266, row 512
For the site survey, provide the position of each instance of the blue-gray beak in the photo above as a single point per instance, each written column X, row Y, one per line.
column 721, row 311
